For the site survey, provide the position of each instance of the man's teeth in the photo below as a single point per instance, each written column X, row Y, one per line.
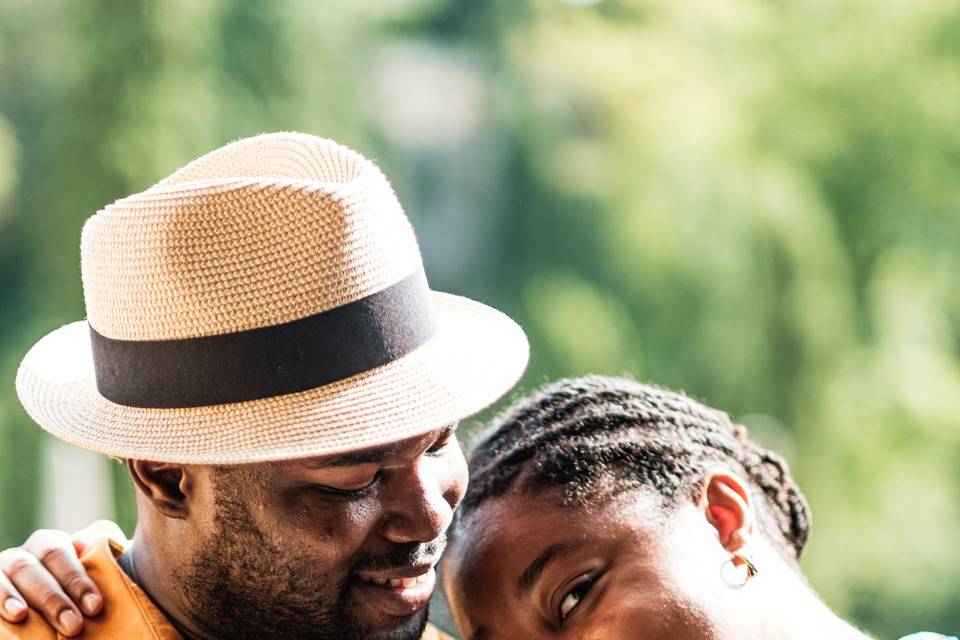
column 406, row 583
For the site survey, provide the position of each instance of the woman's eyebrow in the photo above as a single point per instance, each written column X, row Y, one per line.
column 482, row 633
column 530, row 575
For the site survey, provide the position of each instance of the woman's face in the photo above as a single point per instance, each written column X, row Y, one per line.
column 529, row 567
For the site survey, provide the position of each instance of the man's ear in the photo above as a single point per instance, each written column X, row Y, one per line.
column 167, row 486
column 727, row 506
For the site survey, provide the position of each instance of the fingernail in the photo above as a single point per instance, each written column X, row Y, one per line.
column 70, row 621
column 90, row 603
column 14, row 607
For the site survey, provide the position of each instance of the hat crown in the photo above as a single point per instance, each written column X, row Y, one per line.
column 261, row 232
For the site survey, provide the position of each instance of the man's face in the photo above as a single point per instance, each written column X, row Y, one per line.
column 337, row 547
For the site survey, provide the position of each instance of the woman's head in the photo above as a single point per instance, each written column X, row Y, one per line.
column 603, row 506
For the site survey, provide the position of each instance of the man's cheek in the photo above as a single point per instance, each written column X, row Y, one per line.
column 305, row 514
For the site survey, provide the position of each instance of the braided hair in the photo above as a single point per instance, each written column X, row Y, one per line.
column 597, row 437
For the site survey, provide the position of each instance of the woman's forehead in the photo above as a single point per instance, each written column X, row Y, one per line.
column 512, row 542
column 523, row 524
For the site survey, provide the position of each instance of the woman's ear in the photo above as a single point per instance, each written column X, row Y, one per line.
column 727, row 506
column 166, row 486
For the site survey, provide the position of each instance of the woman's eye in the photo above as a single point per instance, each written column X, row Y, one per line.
column 574, row 596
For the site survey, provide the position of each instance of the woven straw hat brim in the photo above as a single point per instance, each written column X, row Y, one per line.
column 477, row 356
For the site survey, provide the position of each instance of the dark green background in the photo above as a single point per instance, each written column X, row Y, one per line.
column 755, row 202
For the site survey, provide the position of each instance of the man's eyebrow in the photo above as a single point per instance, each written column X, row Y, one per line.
column 369, row 456
column 364, row 456
column 447, row 432
column 529, row 577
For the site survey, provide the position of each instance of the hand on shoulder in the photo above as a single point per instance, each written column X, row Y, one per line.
column 44, row 588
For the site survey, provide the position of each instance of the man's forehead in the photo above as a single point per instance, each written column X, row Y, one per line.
column 377, row 454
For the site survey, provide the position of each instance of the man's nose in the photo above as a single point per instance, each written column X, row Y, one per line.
column 419, row 505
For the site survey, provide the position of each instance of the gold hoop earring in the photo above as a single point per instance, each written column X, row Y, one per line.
column 737, row 570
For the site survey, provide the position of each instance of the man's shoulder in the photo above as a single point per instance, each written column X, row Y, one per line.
column 34, row 628
column 127, row 612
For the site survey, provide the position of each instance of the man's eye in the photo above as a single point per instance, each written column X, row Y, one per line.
column 575, row 596
column 351, row 489
column 439, row 446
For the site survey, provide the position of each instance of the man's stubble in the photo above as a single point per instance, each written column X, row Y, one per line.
column 244, row 587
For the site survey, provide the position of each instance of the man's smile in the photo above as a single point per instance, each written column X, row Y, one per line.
column 399, row 592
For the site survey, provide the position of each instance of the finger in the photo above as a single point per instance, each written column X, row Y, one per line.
column 14, row 607
column 55, row 551
column 97, row 531
column 41, row 591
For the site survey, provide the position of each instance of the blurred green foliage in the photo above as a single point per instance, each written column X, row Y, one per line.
column 756, row 202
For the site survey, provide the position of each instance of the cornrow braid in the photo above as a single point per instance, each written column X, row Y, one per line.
column 596, row 437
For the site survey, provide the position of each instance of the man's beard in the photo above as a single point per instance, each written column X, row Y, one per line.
column 242, row 587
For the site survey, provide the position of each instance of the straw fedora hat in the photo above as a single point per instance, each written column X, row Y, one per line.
column 265, row 302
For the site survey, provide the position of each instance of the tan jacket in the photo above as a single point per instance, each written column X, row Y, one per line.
column 128, row 614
